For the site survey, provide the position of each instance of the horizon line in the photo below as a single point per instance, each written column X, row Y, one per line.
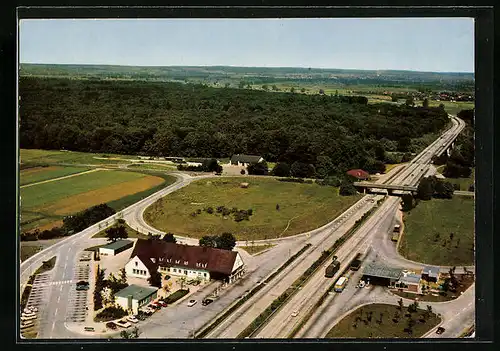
column 237, row 66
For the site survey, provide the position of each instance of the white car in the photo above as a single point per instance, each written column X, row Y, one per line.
column 33, row 309
column 361, row 284
column 295, row 313
column 191, row 303
column 123, row 324
column 132, row 319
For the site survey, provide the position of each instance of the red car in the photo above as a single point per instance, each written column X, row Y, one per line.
column 163, row 303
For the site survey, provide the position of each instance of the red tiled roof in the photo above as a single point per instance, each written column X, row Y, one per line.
column 358, row 173
column 195, row 257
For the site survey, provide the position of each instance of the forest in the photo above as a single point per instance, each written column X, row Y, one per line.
column 190, row 120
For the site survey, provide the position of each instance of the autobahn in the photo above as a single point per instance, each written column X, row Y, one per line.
column 282, row 324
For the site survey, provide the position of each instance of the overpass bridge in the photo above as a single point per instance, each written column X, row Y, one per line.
column 366, row 186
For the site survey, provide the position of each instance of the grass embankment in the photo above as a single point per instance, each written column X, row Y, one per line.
column 132, row 234
column 383, row 323
column 44, row 205
column 302, row 207
column 252, row 250
column 40, row 174
column 464, row 183
column 146, row 166
column 51, row 157
column 26, row 251
column 427, row 235
column 453, row 107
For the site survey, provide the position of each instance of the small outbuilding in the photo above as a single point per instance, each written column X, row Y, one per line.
column 245, row 160
column 115, row 247
column 133, row 297
column 430, row 273
column 409, row 282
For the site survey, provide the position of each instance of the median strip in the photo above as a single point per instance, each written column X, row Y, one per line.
column 262, row 319
column 241, row 301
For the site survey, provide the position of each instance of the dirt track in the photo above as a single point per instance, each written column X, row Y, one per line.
column 68, row 176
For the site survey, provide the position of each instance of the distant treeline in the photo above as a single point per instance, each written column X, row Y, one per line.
column 172, row 119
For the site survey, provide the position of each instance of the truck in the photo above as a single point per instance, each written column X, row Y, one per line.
column 340, row 284
column 332, row 269
column 356, row 263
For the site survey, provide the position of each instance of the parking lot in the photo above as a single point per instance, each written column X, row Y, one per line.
column 78, row 299
column 40, row 291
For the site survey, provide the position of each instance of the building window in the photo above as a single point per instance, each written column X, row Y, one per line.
column 185, row 272
column 136, row 264
column 175, row 270
column 134, row 271
column 204, row 274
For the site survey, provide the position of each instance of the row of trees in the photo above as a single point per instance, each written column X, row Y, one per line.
column 169, row 119
column 72, row 224
column 209, row 165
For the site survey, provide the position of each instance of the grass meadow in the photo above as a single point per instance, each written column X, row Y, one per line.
column 428, row 227
column 302, row 207
column 40, row 174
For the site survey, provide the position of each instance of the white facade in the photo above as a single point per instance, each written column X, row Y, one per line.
column 136, row 305
column 189, row 273
column 135, row 268
column 106, row 252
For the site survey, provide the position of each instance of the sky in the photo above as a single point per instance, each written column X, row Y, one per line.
column 418, row 44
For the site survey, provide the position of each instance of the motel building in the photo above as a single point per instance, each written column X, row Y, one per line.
column 191, row 262
column 133, row 297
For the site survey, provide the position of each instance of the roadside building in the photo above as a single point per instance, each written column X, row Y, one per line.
column 133, row 297
column 245, row 160
column 115, row 247
column 430, row 273
column 192, row 262
column 358, row 174
column 409, row 282
column 379, row 274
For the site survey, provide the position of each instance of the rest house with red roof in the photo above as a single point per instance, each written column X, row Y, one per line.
column 187, row 261
column 359, row 174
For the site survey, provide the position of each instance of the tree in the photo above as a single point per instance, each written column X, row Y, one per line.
column 123, row 276
column 155, row 279
column 292, row 90
column 347, row 189
column 400, row 303
column 380, row 153
column 242, row 172
column 303, row 90
column 302, row 170
column 407, row 202
column 257, row 168
column 321, row 92
column 404, row 144
column 409, row 101
column 169, row 238
column 425, row 103
column 281, row 169
column 425, row 189
column 226, row 241
column 265, row 87
column 210, row 165
column 324, row 166
column 277, row 207
column 120, row 221
column 443, row 190
column 115, row 233
column 207, row 241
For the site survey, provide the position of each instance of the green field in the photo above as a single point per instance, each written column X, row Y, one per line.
column 357, row 324
column 36, row 156
column 453, row 107
column 440, row 216
column 45, row 204
column 303, row 207
column 39, row 174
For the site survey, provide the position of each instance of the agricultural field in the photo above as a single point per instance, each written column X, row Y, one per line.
column 44, row 205
column 382, row 323
column 440, row 232
column 453, row 107
column 302, row 207
column 146, row 166
column 40, row 174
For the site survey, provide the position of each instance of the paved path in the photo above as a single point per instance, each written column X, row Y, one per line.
column 64, row 177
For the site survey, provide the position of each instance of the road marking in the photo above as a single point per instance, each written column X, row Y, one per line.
column 55, row 312
column 53, row 325
column 58, row 298
column 60, row 288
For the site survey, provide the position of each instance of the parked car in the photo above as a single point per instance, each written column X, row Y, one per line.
column 295, row 313
column 82, row 287
column 132, row 319
column 26, row 324
column 111, row 325
column 163, row 303
column 207, row 302
column 89, row 329
column 82, row 282
column 191, row 303
column 33, row 309
column 440, row 330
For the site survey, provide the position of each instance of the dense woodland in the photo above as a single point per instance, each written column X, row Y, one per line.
column 172, row 119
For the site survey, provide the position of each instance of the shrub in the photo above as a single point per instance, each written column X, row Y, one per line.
column 176, row 295
column 210, row 210
column 110, row 313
